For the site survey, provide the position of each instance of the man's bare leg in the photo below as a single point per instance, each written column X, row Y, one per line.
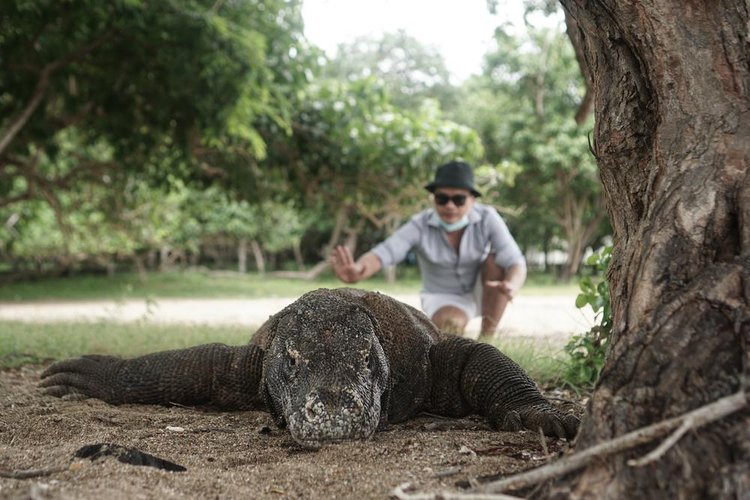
column 493, row 300
column 450, row 319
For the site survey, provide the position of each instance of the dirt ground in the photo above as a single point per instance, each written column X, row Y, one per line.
column 237, row 454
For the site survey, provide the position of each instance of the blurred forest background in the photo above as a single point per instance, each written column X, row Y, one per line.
column 144, row 136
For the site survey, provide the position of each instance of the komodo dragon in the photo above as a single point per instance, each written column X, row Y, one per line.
column 334, row 365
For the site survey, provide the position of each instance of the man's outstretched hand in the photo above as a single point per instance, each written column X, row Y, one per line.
column 344, row 266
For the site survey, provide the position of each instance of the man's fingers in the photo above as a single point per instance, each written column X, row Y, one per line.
column 341, row 256
column 346, row 256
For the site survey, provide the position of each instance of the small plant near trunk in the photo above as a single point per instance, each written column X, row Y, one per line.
column 587, row 350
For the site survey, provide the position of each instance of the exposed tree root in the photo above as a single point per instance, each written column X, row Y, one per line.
column 696, row 418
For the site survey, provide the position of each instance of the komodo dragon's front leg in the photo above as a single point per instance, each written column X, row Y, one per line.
column 216, row 375
column 471, row 377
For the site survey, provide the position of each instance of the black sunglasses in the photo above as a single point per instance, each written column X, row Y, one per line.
column 457, row 199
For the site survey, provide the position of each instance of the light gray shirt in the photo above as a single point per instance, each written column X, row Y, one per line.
column 443, row 269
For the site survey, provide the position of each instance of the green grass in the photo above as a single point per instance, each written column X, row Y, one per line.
column 36, row 342
column 196, row 284
column 544, row 361
column 22, row 343
column 32, row 343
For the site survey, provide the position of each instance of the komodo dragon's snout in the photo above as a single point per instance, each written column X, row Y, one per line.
column 325, row 375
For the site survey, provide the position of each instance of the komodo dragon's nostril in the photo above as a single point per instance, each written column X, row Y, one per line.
column 313, row 408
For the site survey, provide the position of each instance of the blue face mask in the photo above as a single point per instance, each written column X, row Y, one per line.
column 455, row 226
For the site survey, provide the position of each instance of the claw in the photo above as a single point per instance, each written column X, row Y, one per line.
column 78, row 376
column 556, row 429
column 63, row 384
column 85, row 365
column 558, row 424
column 59, row 391
column 571, row 423
column 550, row 420
column 511, row 422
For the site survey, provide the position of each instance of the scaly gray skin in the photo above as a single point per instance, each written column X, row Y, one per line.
column 334, row 365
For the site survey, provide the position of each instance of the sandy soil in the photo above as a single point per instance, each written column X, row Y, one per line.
column 236, row 454
column 242, row 454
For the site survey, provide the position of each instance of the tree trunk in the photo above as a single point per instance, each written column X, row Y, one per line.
column 140, row 266
column 242, row 256
column 587, row 103
column 260, row 263
column 580, row 218
column 672, row 137
column 153, row 259
column 164, row 259
column 297, row 247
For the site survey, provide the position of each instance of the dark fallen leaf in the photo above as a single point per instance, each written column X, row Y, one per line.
column 125, row 455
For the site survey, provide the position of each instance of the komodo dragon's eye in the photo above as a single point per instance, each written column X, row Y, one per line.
column 292, row 356
column 365, row 356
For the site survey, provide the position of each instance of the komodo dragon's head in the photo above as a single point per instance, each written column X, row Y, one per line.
column 325, row 372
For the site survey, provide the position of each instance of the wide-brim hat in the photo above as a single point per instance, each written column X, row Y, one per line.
column 455, row 174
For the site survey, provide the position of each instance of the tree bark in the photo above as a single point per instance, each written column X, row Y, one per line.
column 260, row 262
column 671, row 82
column 587, row 103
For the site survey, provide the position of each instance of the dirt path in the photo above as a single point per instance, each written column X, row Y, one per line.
column 236, row 454
column 535, row 316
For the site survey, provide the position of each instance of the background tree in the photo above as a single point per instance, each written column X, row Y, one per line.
column 523, row 107
column 354, row 158
column 243, row 227
column 672, row 90
column 170, row 87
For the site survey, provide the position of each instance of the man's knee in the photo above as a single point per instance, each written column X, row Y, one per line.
column 450, row 319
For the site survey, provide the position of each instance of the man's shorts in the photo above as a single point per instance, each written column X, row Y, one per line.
column 467, row 302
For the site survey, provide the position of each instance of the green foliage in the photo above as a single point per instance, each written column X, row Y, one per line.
column 587, row 351
column 410, row 71
column 523, row 107
column 274, row 225
column 146, row 126
column 170, row 88
column 353, row 153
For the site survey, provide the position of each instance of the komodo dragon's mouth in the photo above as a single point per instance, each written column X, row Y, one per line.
column 328, row 416
column 311, row 437
column 333, row 429
column 316, row 444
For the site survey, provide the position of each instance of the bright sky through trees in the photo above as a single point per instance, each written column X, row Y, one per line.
column 460, row 29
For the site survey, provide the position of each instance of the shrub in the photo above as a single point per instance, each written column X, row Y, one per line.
column 587, row 350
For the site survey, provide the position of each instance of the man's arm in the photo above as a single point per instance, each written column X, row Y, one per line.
column 515, row 276
column 349, row 271
column 390, row 252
